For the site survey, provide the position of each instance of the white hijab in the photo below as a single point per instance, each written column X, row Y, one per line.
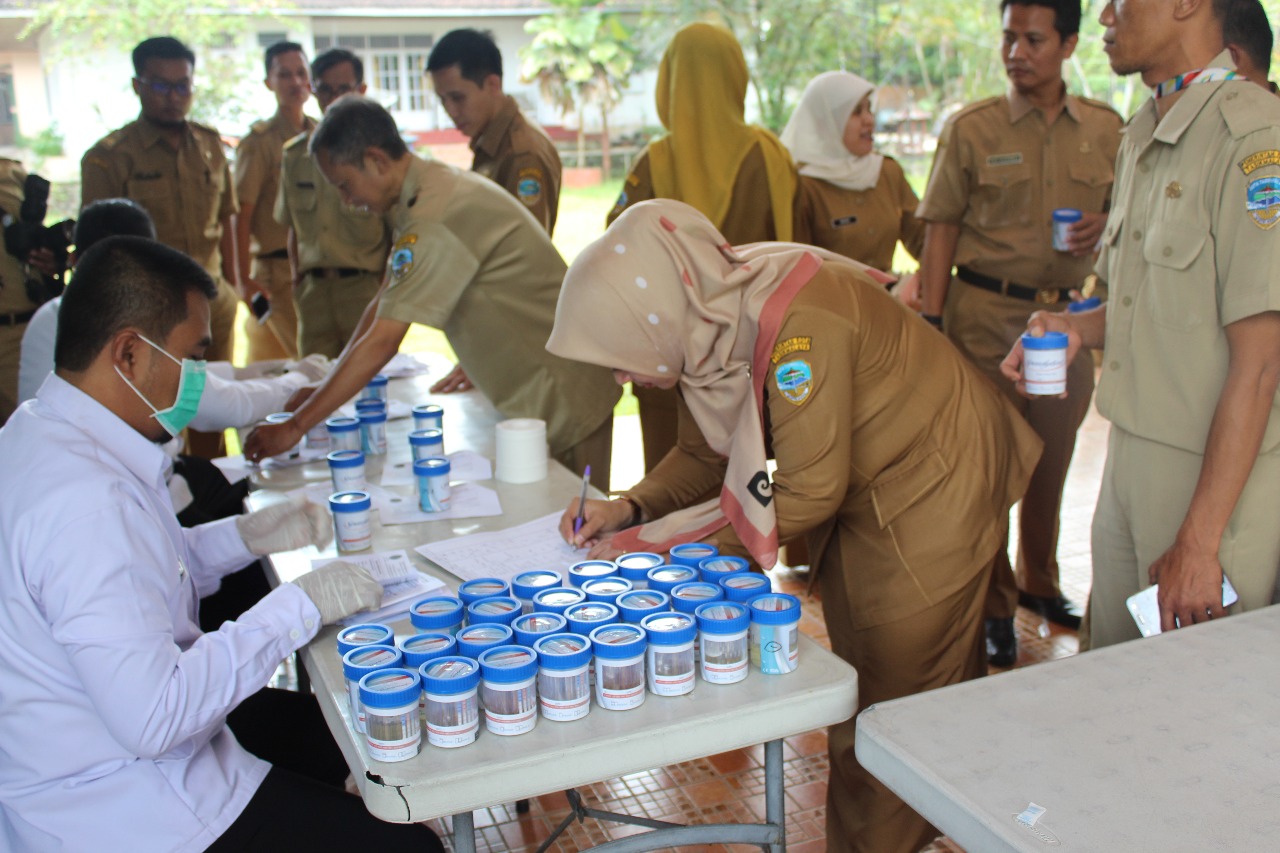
column 815, row 133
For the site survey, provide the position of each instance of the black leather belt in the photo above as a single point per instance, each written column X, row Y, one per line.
column 278, row 254
column 1043, row 295
column 16, row 319
column 334, row 272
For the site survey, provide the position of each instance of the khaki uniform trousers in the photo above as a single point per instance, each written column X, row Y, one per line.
column 10, row 352
column 984, row 326
column 1146, row 490
column 658, row 427
column 278, row 337
column 329, row 309
column 595, row 450
column 222, row 325
column 942, row 645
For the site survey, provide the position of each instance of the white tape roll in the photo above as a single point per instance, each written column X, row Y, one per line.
column 521, row 450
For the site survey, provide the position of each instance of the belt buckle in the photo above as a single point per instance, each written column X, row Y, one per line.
column 1048, row 296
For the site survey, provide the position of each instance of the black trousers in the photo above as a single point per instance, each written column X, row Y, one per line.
column 301, row 805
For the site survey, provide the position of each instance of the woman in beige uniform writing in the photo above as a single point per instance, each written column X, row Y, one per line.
column 897, row 459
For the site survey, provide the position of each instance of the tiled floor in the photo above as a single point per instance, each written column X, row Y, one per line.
column 730, row 786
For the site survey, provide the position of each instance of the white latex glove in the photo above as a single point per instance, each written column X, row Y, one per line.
column 315, row 366
column 339, row 589
column 295, row 523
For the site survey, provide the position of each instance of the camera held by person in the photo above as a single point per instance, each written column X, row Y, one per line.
column 27, row 234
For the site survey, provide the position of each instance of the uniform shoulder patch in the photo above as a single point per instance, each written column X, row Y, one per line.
column 795, row 380
column 782, row 349
column 529, row 186
column 402, row 256
column 1262, row 200
column 112, row 139
column 1262, row 158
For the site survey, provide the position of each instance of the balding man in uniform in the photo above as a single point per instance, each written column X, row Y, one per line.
column 1003, row 166
column 466, row 259
column 262, row 255
column 177, row 171
column 1191, row 257
column 16, row 307
column 336, row 252
column 508, row 148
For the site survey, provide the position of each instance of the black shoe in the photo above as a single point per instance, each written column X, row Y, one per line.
column 1056, row 608
column 1002, row 642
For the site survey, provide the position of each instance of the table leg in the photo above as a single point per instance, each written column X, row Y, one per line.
column 775, row 804
column 464, row 833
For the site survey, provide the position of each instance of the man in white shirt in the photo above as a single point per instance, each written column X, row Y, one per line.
column 113, row 732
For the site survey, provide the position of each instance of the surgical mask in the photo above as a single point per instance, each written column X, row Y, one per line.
column 190, row 388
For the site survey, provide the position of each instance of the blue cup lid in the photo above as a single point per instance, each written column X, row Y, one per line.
column 530, row 626
column 744, row 586
column 667, row 578
column 501, row 609
column 474, row 639
column 1067, row 214
column 692, row 553
column 350, row 502
column 421, row 648
column 345, row 459
column 669, row 628
column 637, row 604
column 714, row 568
column 636, row 565
column 342, row 424
column 580, row 573
column 774, row 608
column 368, row 634
column 473, row 590
column 377, row 380
column 428, row 437
column 525, row 584
column 557, row 599
column 390, row 688
column 618, row 641
column 449, row 676
column 1049, row 340
column 362, row 659
column 587, row 615
column 605, row 589
column 686, row 597
column 373, row 417
column 438, row 611
column 722, row 617
column 563, row 651
column 432, row 466
column 428, row 409
column 1084, row 305
column 507, row 664
column 370, row 404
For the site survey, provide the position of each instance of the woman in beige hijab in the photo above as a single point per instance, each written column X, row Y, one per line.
column 893, row 455
column 851, row 200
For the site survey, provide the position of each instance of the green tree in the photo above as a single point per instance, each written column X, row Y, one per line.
column 213, row 29
column 581, row 56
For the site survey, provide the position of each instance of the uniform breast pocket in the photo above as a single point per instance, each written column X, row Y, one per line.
column 1180, row 258
column 1003, row 196
column 1090, row 183
column 303, row 195
column 155, row 196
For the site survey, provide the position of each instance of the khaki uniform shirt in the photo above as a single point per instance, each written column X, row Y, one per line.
column 865, row 225
column 892, row 443
column 466, row 258
column 188, row 192
column 1000, row 173
column 517, row 154
column 257, row 171
column 1191, row 246
column 13, row 277
column 750, row 216
column 329, row 233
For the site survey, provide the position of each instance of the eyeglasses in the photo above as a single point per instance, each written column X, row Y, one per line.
column 327, row 91
column 164, row 88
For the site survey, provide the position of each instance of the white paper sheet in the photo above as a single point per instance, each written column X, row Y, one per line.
column 318, row 493
column 398, row 599
column 396, row 409
column 387, row 567
column 403, row 364
column 506, row 553
column 465, row 466
column 234, row 468
column 467, row 501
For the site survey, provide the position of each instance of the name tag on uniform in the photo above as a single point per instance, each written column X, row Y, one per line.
column 1014, row 159
column 843, row 220
column 305, row 185
column 146, row 176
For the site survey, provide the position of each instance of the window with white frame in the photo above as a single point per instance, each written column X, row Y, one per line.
column 395, row 69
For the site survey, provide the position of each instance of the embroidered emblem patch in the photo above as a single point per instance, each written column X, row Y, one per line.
column 529, row 187
column 795, row 380
column 1257, row 161
column 1263, row 201
column 402, row 256
column 1005, row 159
column 782, row 349
column 621, row 203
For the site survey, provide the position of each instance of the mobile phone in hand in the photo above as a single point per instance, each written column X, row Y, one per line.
column 261, row 307
column 1145, row 607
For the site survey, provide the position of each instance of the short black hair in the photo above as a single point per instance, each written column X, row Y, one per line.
column 160, row 47
column 474, row 52
column 278, row 49
column 1245, row 25
column 109, row 217
column 336, row 56
column 351, row 126
column 1066, row 14
column 124, row 282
